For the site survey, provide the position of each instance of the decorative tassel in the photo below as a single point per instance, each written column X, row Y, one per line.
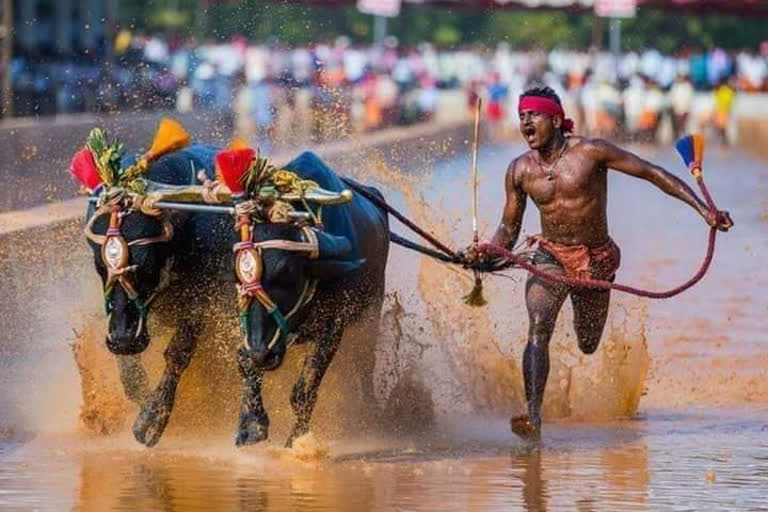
column 170, row 136
column 238, row 143
column 475, row 297
column 691, row 149
column 232, row 166
column 83, row 169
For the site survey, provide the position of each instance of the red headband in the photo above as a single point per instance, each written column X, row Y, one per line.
column 545, row 106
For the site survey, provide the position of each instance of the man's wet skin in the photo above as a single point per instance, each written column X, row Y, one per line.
column 566, row 178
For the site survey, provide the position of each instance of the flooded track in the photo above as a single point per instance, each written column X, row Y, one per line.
column 671, row 413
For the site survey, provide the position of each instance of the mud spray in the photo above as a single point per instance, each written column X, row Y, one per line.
column 435, row 357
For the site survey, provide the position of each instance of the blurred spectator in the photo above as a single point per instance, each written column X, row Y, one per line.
column 681, row 101
column 326, row 89
column 724, row 97
column 497, row 100
column 653, row 104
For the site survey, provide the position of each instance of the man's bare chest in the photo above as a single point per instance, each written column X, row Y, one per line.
column 567, row 181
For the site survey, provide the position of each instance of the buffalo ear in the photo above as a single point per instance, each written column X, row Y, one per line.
column 330, row 270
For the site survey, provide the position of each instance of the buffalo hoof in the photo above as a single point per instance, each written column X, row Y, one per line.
column 152, row 419
column 297, row 431
column 253, row 429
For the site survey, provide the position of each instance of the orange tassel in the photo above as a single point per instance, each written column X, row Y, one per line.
column 170, row 136
column 238, row 143
column 698, row 148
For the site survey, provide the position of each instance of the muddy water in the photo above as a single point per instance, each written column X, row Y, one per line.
column 692, row 460
column 670, row 413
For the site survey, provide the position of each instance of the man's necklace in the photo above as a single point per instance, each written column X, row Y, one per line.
column 551, row 168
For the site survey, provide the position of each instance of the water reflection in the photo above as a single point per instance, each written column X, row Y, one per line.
column 705, row 461
column 534, row 485
column 582, row 468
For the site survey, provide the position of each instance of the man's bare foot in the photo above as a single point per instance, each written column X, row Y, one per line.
column 525, row 429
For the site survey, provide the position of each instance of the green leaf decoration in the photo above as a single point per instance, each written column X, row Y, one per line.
column 108, row 154
column 259, row 174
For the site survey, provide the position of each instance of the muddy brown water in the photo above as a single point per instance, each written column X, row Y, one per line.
column 671, row 413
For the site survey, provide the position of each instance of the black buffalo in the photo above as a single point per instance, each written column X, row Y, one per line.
column 349, row 276
column 196, row 253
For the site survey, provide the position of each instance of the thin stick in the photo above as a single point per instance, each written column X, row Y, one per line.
column 474, row 172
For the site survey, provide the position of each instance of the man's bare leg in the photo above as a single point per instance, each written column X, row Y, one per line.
column 590, row 311
column 543, row 301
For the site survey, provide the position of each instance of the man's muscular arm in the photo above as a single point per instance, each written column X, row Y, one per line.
column 512, row 217
column 623, row 161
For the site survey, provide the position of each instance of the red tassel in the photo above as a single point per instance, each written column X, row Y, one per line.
column 83, row 169
column 233, row 164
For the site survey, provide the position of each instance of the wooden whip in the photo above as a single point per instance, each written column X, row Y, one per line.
column 474, row 172
column 475, row 297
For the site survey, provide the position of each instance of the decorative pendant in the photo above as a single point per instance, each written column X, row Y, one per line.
column 248, row 266
column 114, row 252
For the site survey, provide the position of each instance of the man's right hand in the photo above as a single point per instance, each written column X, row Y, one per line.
column 470, row 255
column 480, row 260
column 720, row 219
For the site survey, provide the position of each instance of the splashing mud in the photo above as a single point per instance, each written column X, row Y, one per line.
column 435, row 356
column 447, row 377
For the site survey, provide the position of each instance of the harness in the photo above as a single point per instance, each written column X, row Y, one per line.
column 115, row 252
column 249, row 269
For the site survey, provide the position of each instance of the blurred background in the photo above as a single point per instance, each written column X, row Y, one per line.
column 647, row 69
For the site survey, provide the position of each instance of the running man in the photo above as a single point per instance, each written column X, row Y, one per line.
column 566, row 177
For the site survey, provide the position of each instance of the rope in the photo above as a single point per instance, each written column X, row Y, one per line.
column 448, row 256
column 518, row 261
column 404, row 242
column 402, row 218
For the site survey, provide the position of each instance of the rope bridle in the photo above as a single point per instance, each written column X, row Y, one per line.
column 115, row 252
column 249, row 269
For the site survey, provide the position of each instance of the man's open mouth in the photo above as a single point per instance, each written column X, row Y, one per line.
column 529, row 131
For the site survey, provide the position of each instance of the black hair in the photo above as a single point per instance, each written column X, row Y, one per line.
column 542, row 92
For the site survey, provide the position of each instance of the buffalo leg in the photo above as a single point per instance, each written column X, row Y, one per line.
column 254, row 422
column 133, row 377
column 304, row 393
column 156, row 409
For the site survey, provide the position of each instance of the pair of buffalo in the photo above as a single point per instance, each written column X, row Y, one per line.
column 300, row 277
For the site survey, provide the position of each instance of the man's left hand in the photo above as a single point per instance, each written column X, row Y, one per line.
column 720, row 219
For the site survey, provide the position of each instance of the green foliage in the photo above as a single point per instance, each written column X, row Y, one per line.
column 170, row 19
column 299, row 23
column 259, row 175
column 539, row 30
column 107, row 155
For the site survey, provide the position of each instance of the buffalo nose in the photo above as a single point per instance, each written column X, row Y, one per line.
column 261, row 357
column 126, row 344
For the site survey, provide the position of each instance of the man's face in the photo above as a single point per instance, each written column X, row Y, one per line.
column 538, row 129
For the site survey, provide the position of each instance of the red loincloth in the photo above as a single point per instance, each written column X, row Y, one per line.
column 581, row 262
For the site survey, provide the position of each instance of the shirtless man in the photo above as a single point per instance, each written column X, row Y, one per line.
column 566, row 177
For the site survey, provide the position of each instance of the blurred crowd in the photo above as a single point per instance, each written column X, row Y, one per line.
column 339, row 87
